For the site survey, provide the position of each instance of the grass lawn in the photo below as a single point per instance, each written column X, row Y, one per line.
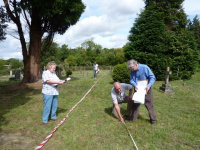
column 91, row 125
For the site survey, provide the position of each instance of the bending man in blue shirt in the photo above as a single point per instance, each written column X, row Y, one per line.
column 142, row 72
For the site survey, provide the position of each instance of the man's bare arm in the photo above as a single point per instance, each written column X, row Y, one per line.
column 117, row 108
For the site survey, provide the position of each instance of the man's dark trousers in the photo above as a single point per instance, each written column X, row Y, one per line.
column 148, row 104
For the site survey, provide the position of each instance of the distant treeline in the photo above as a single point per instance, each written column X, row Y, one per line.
column 85, row 55
column 11, row 63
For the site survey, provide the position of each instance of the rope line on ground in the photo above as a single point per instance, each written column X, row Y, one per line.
column 61, row 122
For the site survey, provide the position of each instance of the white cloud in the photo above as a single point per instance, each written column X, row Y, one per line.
column 17, row 55
column 95, row 25
column 116, row 19
column 89, row 26
column 121, row 8
column 107, row 21
column 10, row 48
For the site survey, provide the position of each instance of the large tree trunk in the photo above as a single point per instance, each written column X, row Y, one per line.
column 26, row 70
column 32, row 63
column 34, row 56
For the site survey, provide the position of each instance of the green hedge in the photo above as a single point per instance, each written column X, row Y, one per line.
column 121, row 73
column 68, row 73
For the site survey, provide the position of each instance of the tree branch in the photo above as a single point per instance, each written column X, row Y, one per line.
column 14, row 36
column 13, row 18
column 46, row 43
column 16, row 20
column 26, row 18
column 15, row 9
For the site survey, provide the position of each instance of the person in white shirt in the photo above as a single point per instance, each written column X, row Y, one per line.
column 95, row 68
column 50, row 92
column 118, row 94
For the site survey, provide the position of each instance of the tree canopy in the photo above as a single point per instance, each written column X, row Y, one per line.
column 41, row 17
column 159, row 38
column 194, row 26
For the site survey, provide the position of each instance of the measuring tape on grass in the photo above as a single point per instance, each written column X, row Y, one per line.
column 131, row 136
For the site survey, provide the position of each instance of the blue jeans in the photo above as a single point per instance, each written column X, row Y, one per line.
column 50, row 106
column 95, row 73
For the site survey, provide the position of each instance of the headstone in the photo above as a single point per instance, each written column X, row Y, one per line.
column 40, row 73
column 18, row 75
column 11, row 73
column 167, row 87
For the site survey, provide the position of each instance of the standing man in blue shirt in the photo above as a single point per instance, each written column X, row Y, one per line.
column 142, row 72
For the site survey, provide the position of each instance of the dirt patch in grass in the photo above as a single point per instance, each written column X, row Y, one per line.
column 23, row 86
column 35, row 86
column 14, row 140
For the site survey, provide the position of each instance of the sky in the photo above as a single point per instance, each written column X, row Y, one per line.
column 107, row 22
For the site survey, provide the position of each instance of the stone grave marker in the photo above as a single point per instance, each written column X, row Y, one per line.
column 166, row 87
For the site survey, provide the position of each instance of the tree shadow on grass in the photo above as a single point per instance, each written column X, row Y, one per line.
column 13, row 95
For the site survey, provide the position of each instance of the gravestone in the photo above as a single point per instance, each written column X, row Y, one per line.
column 40, row 73
column 166, row 87
column 18, row 75
column 11, row 73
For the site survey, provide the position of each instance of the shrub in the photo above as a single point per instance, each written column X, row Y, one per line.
column 121, row 73
column 68, row 73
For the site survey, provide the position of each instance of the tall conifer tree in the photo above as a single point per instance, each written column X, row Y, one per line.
column 159, row 38
column 194, row 26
